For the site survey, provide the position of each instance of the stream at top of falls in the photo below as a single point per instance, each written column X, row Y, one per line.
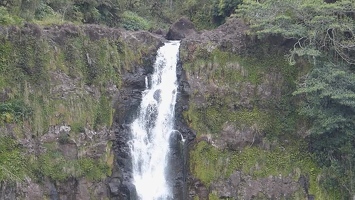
column 153, row 126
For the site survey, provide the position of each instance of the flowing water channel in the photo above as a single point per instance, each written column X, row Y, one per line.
column 153, row 127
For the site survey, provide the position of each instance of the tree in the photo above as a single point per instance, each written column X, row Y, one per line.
column 223, row 8
column 323, row 35
column 317, row 27
column 61, row 6
column 328, row 94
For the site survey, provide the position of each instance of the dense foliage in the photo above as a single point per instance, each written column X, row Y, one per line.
column 319, row 28
column 133, row 15
column 323, row 35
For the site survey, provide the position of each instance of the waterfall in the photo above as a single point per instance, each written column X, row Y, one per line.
column 153, row 126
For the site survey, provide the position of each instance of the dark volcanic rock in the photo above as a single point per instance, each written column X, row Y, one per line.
column 128, row 190
column 114, row 188
column 231, row 37
column 181, row 29
column 180, row 140
column 241, row 185
column 128, row 101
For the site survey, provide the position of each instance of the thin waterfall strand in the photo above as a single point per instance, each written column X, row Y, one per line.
column 153, row 126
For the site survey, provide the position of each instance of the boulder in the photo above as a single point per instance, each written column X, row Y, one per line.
column 230, row 36
column 181, row 29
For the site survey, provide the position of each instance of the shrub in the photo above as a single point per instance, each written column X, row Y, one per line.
column 6, row 18
column 43, row 11
column 132, row 21
column 14, row 111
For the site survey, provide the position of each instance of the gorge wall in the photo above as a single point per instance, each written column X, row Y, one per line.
column 249, row 139
column 68, row 92
column 58, row 86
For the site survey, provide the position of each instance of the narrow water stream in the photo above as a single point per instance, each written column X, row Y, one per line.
column 153, row 126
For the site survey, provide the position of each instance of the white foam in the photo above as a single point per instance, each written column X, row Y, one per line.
column 153, row 126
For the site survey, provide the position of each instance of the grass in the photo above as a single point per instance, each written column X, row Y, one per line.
column 12, row 161
column 55, row 18
column 212, row 118
column 54, row 165
column 210, row 164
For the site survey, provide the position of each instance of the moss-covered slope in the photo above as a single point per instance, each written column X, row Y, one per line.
column 249, row 141
column 57, row 85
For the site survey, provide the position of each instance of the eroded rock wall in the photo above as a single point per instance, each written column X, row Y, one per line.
column 248, row 138
column 75, row 81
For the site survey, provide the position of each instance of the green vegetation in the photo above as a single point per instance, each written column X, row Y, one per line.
column 6, row 18
column 228, row 69
column 330, row 106
column 45, row 85
column 132, row 21
column 211, row 119
column 132, row 15
column 16, row 166
column 322, row 50
column 317, row 91
column 12, row 161
column 26, row 64
column 209, row 164
column 14, row 111
column 323, row 36
column 54, row 165
column 235, row 72
column 318, row 28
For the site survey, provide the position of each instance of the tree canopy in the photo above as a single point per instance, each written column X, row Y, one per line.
column 115, row 13
column 319, row 28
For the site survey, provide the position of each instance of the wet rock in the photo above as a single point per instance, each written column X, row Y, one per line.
column 180, row 140
column 128, row 191
column 114, row 188
column 157, row 96
column 126, row 105
column 68, row 189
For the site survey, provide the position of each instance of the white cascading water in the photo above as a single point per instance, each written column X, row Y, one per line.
column 153, row 126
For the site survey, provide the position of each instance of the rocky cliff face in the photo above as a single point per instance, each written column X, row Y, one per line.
column 76, row 82
column 78, row 87
column 241, row 107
